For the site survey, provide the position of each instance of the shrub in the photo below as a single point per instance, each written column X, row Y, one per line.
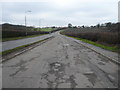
column 105, row 37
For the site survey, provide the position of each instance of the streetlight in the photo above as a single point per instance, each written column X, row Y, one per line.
column 40, row 20
column 119, row 11
column 26, row 20
column 39, row 24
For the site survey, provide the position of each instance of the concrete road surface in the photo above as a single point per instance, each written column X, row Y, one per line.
column 60, row 63
column 16, row 43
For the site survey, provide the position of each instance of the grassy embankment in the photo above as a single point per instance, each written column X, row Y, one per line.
column 98, row 39
column 29, row 36
column 46, row 29
column 111, row 48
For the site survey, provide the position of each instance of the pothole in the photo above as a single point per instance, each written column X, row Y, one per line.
column 56, row 76
column 103, row 59
column 56, row 68
column 101, row 63
column 91, row 77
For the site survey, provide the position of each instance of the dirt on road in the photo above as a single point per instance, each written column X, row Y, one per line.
column 60, row 63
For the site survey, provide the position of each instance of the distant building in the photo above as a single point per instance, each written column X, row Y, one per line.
column 119, row 11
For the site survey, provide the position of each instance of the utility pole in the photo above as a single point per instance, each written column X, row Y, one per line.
column 39, row 24
column 119, row 11
column 26, row 21
column 25, row 26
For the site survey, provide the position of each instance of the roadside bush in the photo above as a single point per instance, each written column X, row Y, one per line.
column 105, row 37
column 8, row 33
column 110, row 37
column 9, row 30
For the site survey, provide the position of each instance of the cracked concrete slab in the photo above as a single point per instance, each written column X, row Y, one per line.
column 60, row 63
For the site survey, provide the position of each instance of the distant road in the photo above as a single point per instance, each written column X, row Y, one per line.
column 16, row 43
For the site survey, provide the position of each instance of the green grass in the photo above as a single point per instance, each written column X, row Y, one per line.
column 16, row 38
column 45, row 29
column 12, row 50
column 20, row 47
column 111, row 48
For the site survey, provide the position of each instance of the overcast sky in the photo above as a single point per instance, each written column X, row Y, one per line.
column 59, row 12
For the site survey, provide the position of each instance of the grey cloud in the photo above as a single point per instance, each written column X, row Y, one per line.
column 77, row 13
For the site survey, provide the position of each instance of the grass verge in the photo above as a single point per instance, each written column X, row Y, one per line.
column 16, row 38
column 110, row 48
column 20, row 47
column 46, row 29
